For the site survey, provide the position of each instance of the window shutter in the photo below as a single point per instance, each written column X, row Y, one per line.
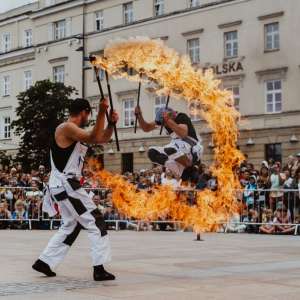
column 24, row 39
column 50, row 32
column 2, row 127
column 68, row 27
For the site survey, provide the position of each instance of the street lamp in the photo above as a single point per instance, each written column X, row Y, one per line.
column 250, row 142
column 294, row 139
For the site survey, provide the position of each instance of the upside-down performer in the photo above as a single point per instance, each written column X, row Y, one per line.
column 77, row 209
column 184, row 151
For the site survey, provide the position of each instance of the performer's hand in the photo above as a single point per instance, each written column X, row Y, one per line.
column 113, row 117
column 103, row 106
column 138, row 111
column 166, row 118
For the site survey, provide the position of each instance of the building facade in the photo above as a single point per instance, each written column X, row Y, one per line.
column 251, row 45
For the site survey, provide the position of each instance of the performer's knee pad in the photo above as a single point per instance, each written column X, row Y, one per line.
column 99, row 221
column 170, row 150
column 70, row 238
column 157, row 157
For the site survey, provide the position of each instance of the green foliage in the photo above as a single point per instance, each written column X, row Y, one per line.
column 5, row 159
column 41, row 109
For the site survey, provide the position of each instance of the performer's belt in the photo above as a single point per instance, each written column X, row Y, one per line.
column 189, row 140
column 74, row 184
column 192, row 142
column 61, row 196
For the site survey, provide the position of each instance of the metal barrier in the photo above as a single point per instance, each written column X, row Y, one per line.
column 277, row 208
column 267, row 211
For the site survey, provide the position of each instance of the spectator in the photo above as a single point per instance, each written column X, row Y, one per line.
column 234, row 225
column 295, row 164
column 20, row 216
column 252, row 218
column 264, row 177
column 289, row 197
column 5, row 216
column 276, row 181
column 97, row 201
column 282, row 220
column 250, row 192
column 142, row 184
column 268, row 227
column 170, row 180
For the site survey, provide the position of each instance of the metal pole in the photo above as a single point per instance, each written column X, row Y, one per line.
column 83, row 51
column 198, row 238
column 112, row 108
column 162, row 123
column 138, row 104
column 97, row 70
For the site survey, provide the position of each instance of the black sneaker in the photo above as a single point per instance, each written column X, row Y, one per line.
column 44, row 268
column 156, row 157
column 100, row 274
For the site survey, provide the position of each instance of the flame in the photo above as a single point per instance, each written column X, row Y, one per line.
column 171, row 73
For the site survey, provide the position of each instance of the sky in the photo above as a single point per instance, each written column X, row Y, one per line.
column 9, row 4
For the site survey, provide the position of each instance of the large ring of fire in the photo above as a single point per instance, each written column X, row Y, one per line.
column 171, row 73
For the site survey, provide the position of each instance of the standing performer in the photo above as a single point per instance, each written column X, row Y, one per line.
column 185, row 149
column 76, row 207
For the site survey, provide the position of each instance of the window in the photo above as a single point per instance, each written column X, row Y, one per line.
column 59, row 29
column 273, row 151
column 231, row 44
column 27, row 80
column 236, row 95
column 194, row 3
column 6, row 127
column 59, row 74
column 99, row 20
column 128, row 13
column 6, row 42
column 160, row 101
column 28, row 38
column 6, row 85
column 194, row 108
column 272, row 36
column 193, row 49
column 129, row 116
column 274, row 96
column 159, row 7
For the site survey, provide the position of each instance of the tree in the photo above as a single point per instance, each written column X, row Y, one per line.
column 5, row 159
column 41, row 108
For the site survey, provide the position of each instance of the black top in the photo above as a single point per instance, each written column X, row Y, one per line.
column 182, row 118
column 60, row 155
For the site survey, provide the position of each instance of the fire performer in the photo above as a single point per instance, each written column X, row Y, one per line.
column 77, row 209
column 184, row 151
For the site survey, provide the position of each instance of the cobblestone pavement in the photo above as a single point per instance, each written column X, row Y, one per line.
column 157, row 265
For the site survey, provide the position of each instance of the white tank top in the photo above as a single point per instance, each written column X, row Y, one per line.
column 73, row 167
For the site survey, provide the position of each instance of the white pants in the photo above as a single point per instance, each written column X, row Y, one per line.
column 178, row 148
column 78, row 212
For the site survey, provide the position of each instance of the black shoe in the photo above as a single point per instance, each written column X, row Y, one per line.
column 101, row 275
column 44, row 268
column 156, row 157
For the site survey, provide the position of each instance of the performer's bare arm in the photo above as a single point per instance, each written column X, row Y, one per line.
column 180, row 129
column 146, row 126
column 69, row 132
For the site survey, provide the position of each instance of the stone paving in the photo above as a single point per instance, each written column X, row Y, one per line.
column 157, row 265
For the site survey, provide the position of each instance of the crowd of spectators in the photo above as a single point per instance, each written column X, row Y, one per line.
column 269, row 195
